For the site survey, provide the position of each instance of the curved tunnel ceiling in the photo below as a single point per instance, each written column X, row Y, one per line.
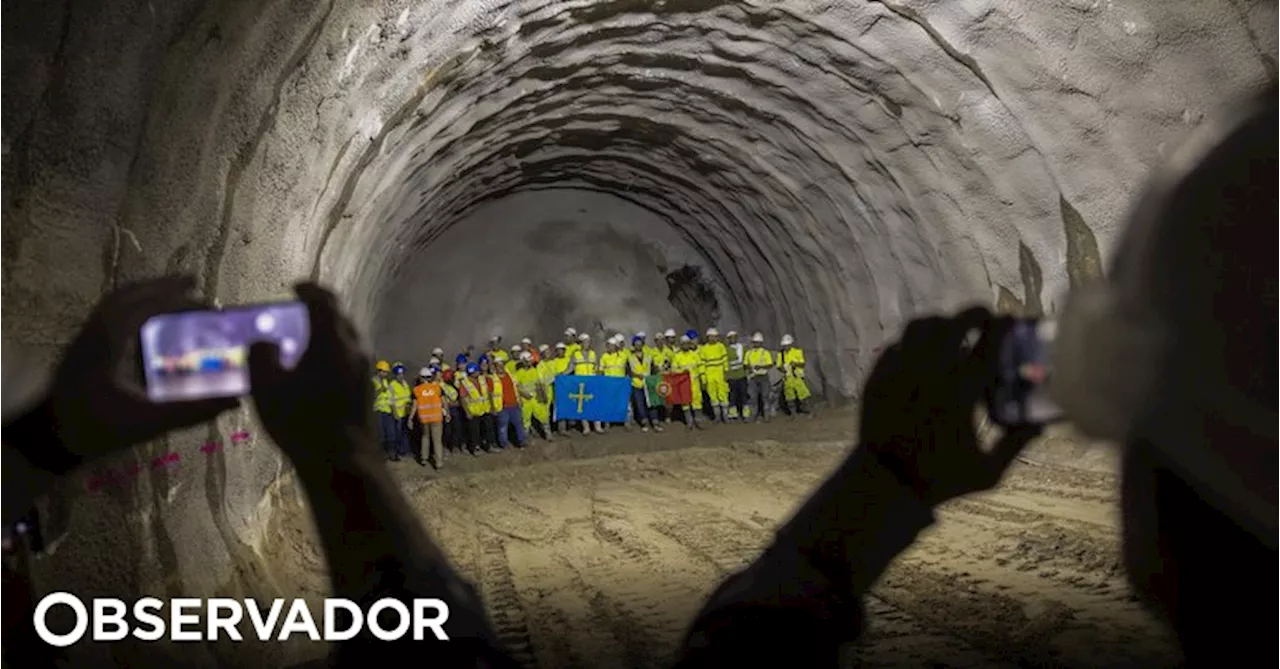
column 826, row 168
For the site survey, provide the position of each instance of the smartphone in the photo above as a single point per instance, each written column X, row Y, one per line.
column 191, row 355
column 1020, row 395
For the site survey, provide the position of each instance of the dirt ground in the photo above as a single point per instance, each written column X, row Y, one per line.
column 598, row 551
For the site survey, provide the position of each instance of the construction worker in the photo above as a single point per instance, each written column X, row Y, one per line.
column 510, row 365
column 437, row 353
column 462, row 360
column 535, row 395
column 454, row 426
column 658, row 352
column 670, row 347
column 506, row 408
column 736, row 376
column 640, row 366
column 401, row 400
column 388, row 426
column 794, row 388
column 688, row 360
column 758, row 361
column 613, row 362
column 584, row 362
column 571, row 343
column 474, row 395
column 715, row 364
column 526, row 344
column 495, row 352
column 429, row 412
column 559, row 366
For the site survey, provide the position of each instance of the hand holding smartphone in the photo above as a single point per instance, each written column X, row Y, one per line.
column 194, row 355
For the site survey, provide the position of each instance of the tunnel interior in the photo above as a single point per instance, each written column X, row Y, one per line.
column 455, row 169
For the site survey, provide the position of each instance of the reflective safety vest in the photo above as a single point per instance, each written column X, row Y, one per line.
column 547, row 370
column 686, row 361
column 640, row 365
column 669, row 356
column 495, row 392
column 715, row 357
column 510, row 366
column 450, row 395
column 560, row 365
column 661, row 357
column 381, row 395
column 736, row 368
column 614, row 364
column 475, row 401
column 527, row 382
column 499, row 356
column 570, row 349
column 792, row 362
column 758, row 361
column 401, row 398
column 428, row 396
column 584, row 362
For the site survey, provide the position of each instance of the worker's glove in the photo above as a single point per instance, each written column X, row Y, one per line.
column 319, row 411
column 96, row 410
column 918, row 407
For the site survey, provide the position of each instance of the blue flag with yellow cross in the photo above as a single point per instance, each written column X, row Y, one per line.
column 594, row 398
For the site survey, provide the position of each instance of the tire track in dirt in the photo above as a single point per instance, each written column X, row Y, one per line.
column 503, row 603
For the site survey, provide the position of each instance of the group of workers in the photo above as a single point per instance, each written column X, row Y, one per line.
column 498, row 399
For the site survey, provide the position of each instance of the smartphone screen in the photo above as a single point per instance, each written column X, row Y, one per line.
column 194, row 355
column 1020, row 396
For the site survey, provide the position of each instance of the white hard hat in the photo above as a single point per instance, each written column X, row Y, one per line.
column 671, row 332
column 712, row 332
column 788, row 340
column 544, row 348
column 495, row 338
column 584, row 337
column 526, row 341
column 560, row 345
column 525, row 355
column 759, row 336
column 434, row 360
column 570, row 332
column 437, row 351
column 641, row 334
column 515, row 348
column 425, row 372
column 731, row 333
column 685, row 339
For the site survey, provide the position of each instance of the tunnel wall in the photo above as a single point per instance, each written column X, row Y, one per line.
column 873, row 160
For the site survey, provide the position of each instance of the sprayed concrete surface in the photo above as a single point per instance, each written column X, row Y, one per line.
column 602, row 562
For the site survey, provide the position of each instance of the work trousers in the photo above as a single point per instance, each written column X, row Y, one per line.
column 717, row 387
column 479, row 432
column 433, row 443
column 738, row 395
column 510, row 417
column 395, row 434
column 759, row 390
column 640, row 407
column 795, row 389
column 455, row 429
column 531, row 410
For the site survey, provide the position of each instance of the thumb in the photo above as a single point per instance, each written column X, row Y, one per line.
column 265, row 372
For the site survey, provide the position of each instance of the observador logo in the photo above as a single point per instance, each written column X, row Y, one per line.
column 225, row 619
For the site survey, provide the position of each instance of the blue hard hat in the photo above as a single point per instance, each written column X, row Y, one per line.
column 435, row 370
column 636, row 339
column 473, row 368
column 692, row 334
column 483, row 358
column 398, row 367
column 462, row 357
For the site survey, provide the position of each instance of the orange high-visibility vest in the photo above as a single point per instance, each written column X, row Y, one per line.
column 430, row 403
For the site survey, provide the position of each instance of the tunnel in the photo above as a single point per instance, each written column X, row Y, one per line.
column 454, row 169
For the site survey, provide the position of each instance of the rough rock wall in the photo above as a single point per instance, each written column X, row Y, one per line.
column 869, row 160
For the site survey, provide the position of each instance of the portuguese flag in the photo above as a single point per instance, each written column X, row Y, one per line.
column 668, row 389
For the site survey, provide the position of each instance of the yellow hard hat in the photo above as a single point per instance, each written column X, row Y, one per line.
column 383, row 366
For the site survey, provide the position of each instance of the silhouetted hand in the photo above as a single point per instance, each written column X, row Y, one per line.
column 96, row 409
column 322, row 408
column 918, row 407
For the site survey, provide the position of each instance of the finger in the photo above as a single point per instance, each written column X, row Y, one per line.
column 265, row 372
column 1011, row 443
